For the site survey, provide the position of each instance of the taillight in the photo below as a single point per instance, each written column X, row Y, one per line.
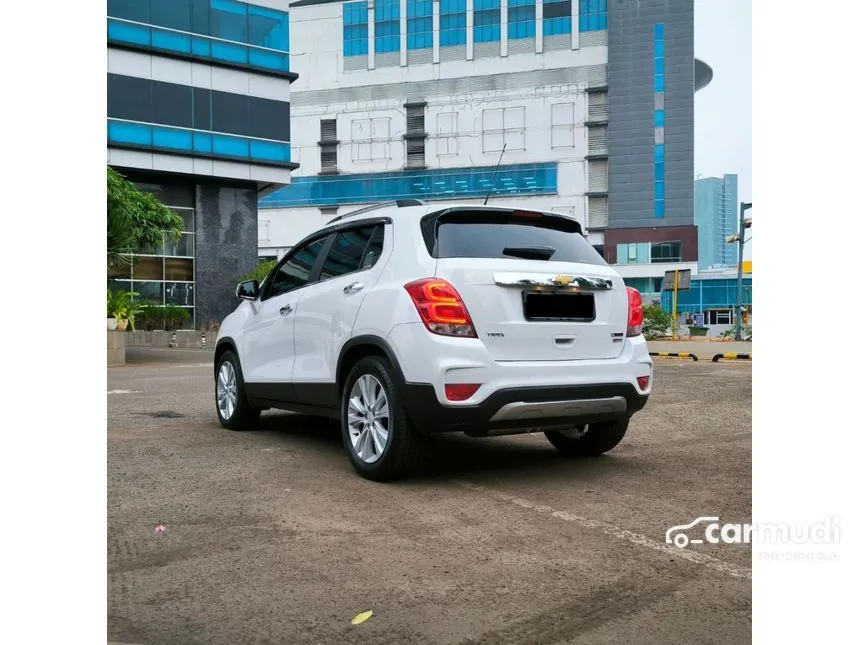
column 441, row 308
column 635, row 315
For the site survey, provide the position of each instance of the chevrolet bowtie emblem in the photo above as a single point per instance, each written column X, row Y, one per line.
column 562, row 280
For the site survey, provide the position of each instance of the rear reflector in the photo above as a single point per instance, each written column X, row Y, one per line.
column 643, row 382
column 460, row 391
column 441, row 308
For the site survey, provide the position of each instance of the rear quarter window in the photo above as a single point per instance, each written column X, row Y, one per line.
column 486, row 234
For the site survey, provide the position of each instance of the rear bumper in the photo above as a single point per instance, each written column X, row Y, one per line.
column 522, row 409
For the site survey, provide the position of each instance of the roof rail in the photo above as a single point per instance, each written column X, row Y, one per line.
column 400, row 203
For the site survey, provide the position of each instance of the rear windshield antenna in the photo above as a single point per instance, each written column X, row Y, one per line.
column 493, row 180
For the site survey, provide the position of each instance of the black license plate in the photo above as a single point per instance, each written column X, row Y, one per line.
column 570, row 307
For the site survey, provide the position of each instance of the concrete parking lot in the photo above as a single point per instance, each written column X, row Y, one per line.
column 269, row 537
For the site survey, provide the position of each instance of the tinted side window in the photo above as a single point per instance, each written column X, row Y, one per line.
column 486, row 235
column 374, row 248
column 347, row 252
column 296, row 271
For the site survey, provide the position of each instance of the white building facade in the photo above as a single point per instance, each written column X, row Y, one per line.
column 454, row 100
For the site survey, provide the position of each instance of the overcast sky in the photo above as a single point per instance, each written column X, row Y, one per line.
column 724, row 108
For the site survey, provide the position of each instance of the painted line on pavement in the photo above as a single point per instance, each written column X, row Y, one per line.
column 123, row 391
column 614, row 531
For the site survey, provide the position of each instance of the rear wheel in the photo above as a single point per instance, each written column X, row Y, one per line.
column 376, row 433
column 234, row 411
column 588, row 440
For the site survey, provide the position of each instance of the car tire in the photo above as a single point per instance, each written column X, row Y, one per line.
column 231, row 403
column 595, row 439
column 376, row 433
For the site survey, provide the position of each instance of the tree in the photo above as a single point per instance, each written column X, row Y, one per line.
column 136, row 220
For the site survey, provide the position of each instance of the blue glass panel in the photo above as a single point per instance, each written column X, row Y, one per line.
column 660, row 152
column 223, row 144
column 658, row 31
column 124, row 32
column 229, row 20
column 659, row 66
column 229, row 52
column 452, row 6
column 135, row 133
column 659, row 170
column 487, row 4
column 659, row 49
column 269, row 151
column 171, row 138
column 269, row 60
column 659, row 209
column 659, row 118
column 659, row 189
column 203, row 143
column 432, row 184
column 601, row 21
column 659, row 84
column 201, row 46
column 557, row 26
column 268, row 28
column 171, row 41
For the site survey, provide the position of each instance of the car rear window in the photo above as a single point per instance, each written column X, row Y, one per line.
column 486, row 234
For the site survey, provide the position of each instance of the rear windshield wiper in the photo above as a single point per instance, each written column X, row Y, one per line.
column 530, row 252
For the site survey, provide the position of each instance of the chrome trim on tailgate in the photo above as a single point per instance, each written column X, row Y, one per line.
column 557, row 409
column 537, row 280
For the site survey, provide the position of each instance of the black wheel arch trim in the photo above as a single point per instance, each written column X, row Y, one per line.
column 229, row 344
column 374, row 341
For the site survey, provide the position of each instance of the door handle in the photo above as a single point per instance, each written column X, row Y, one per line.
column 353, row 288
column 286, row 310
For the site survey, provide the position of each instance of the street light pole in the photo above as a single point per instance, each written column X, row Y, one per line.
column 745, row 206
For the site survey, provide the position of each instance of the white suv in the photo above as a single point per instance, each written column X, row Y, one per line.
column 405, row 319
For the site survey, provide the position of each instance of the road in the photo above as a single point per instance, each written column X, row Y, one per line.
column 269, row 537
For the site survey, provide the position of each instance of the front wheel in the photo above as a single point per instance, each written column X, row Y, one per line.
column 234, row 411
column 376, row 432
column 589, row 440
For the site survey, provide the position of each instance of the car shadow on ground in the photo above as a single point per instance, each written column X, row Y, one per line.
column 449, row 456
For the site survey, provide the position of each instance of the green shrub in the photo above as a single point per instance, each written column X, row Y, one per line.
column 153, row 317
column 657, row 322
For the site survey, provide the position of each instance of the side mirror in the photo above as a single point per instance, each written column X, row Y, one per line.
column 248, row 290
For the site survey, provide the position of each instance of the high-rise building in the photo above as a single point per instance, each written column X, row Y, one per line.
column 591, row 102
column 198, row 104
column 716, row 217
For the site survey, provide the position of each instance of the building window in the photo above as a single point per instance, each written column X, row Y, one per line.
column 521, row 19
column 504, row 126
column 233, row 32
column 419, row 24
column 163, row 275
column 415, row 135
column 592, row 15
column 719, row 316
column 562, row 125
column 488, row 21
column 387, row 26
column 452, row 23
column 659, row 123
column 328, row 145
column 446, row 130
column 556, row 17
column 155, row 115
column 439, row 183
column 370, row 139
column 355, row 29
column 665, row 252
column 633, row 253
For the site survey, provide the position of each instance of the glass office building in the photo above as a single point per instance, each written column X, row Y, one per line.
column 199, row 114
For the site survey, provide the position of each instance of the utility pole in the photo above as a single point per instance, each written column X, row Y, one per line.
column 743, row 224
